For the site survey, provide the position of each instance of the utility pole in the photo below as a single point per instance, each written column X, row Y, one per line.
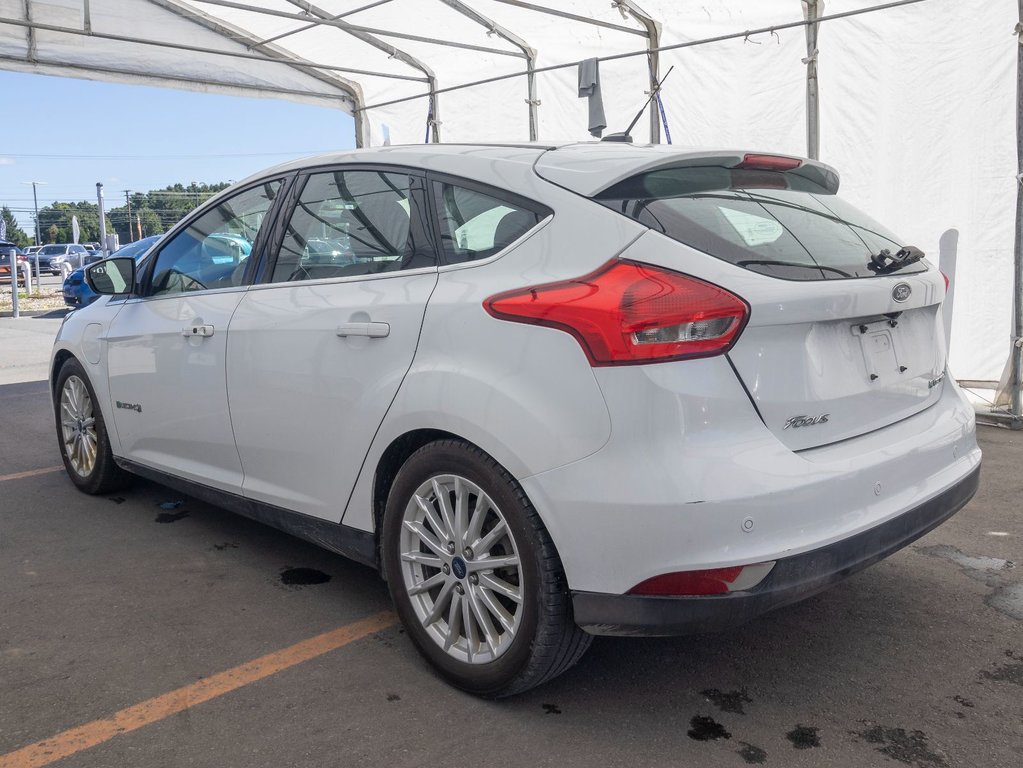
column 39, row 240
column 127, row 199
column 102, row 220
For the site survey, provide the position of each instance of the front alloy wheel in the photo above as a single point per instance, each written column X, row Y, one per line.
column 82, row 433
column 78, row 426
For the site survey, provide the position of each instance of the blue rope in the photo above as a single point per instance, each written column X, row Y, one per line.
column 664, row 118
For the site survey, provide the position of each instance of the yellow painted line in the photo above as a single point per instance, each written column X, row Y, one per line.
column 31, row 473
column 147, row 712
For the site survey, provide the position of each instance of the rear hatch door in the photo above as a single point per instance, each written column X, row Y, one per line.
column 844, row 335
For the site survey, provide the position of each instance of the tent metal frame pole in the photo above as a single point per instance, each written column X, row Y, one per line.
column 813, row 112
column 314, row 25
column 168, row 78
column 31, row 33
column 287, row 60
column 661, row 49
column 331, row 20
column 653, row 41
column 353, row 89
column 570, row 16
column 390, row 50
column 1016, row 374
column 528, row 52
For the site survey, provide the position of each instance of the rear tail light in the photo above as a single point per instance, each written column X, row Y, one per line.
column 627, row 313
column 713, row 581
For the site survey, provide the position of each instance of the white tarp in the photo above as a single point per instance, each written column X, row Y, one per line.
column 917, row 102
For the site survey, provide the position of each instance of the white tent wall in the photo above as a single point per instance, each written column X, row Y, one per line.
column 918, row 113
column 916, row 102
column 740, row 93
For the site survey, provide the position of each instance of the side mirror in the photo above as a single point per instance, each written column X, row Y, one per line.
column 113, row 277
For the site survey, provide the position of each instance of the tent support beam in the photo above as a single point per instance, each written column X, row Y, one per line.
column 331, row 20
column 281, row 59
column 1015, row 382
column 813, row 112
column 168, row 78
column 653, row 41
column 570, row 16
column 646, row 52
column 315, row 24
column 32, row 51
column 380, row 45
column 527, row 51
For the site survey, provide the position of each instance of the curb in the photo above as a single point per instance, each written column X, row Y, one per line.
column 45, row 313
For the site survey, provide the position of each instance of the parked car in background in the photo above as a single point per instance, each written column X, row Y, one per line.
column 53, row 256
column 77, row 292
column 6, row 249
column 549, row 392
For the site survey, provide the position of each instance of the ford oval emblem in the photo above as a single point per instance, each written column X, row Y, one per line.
column 901, row 292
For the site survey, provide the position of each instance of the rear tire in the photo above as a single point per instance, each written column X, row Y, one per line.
column 492, row 630
column 82, row 433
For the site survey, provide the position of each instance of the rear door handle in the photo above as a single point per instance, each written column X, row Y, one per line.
column 373, row 330
column 197, row 330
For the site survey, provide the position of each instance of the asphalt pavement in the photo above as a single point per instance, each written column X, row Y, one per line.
column 149, row 629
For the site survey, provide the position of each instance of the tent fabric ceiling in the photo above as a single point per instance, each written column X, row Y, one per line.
column 917, row 102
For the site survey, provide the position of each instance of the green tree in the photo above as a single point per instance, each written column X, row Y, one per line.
column 165, row 208
column 15, row 234
column 56, row 219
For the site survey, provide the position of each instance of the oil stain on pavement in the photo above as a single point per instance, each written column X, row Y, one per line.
column 804, row 737
column 752, row 754
column 171, row 517
column 301, row 577
column 703, row 728
column 909, row 747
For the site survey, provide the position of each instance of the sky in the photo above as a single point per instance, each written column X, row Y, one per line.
column 73, row 133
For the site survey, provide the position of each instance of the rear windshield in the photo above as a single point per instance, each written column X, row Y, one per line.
column 778, row 224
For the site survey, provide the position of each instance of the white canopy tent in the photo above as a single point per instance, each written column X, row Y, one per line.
column 917, row 99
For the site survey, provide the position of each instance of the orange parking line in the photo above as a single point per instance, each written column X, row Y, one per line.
column 31, row 473
column 147, row 712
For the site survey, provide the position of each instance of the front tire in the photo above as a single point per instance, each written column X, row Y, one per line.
column 82, row 433
column 474, row 575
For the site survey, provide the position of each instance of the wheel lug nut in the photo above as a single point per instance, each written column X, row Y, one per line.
column 446, row 568
column 467, row 553
column 459, row 589
column 474, row 579
column 451, row 547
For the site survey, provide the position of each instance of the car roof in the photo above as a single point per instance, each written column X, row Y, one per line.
column 583, row 167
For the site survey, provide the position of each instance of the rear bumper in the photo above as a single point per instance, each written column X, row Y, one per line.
column 792, row 579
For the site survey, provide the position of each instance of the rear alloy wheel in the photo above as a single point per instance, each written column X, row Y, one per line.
column 474, row 575
column 82, row 434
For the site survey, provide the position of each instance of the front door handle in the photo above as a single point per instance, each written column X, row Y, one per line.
column 197, row 330
column 373, row 330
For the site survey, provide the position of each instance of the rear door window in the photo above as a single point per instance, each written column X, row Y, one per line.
column 348, row 223
column 779, row 224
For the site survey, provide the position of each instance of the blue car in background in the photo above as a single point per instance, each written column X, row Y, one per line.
column 77, row 292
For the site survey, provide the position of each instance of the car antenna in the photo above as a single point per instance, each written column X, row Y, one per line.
column 624, row 136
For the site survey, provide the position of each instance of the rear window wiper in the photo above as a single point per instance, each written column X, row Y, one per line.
column 773, row 263
column 884, row 262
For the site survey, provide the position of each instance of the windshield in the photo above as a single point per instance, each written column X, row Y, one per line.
column 52, row 250
column 778, row 224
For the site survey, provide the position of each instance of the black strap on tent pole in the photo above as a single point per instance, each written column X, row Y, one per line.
column 429, row 120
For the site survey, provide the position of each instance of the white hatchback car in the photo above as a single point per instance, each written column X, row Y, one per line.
column 550, row 392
